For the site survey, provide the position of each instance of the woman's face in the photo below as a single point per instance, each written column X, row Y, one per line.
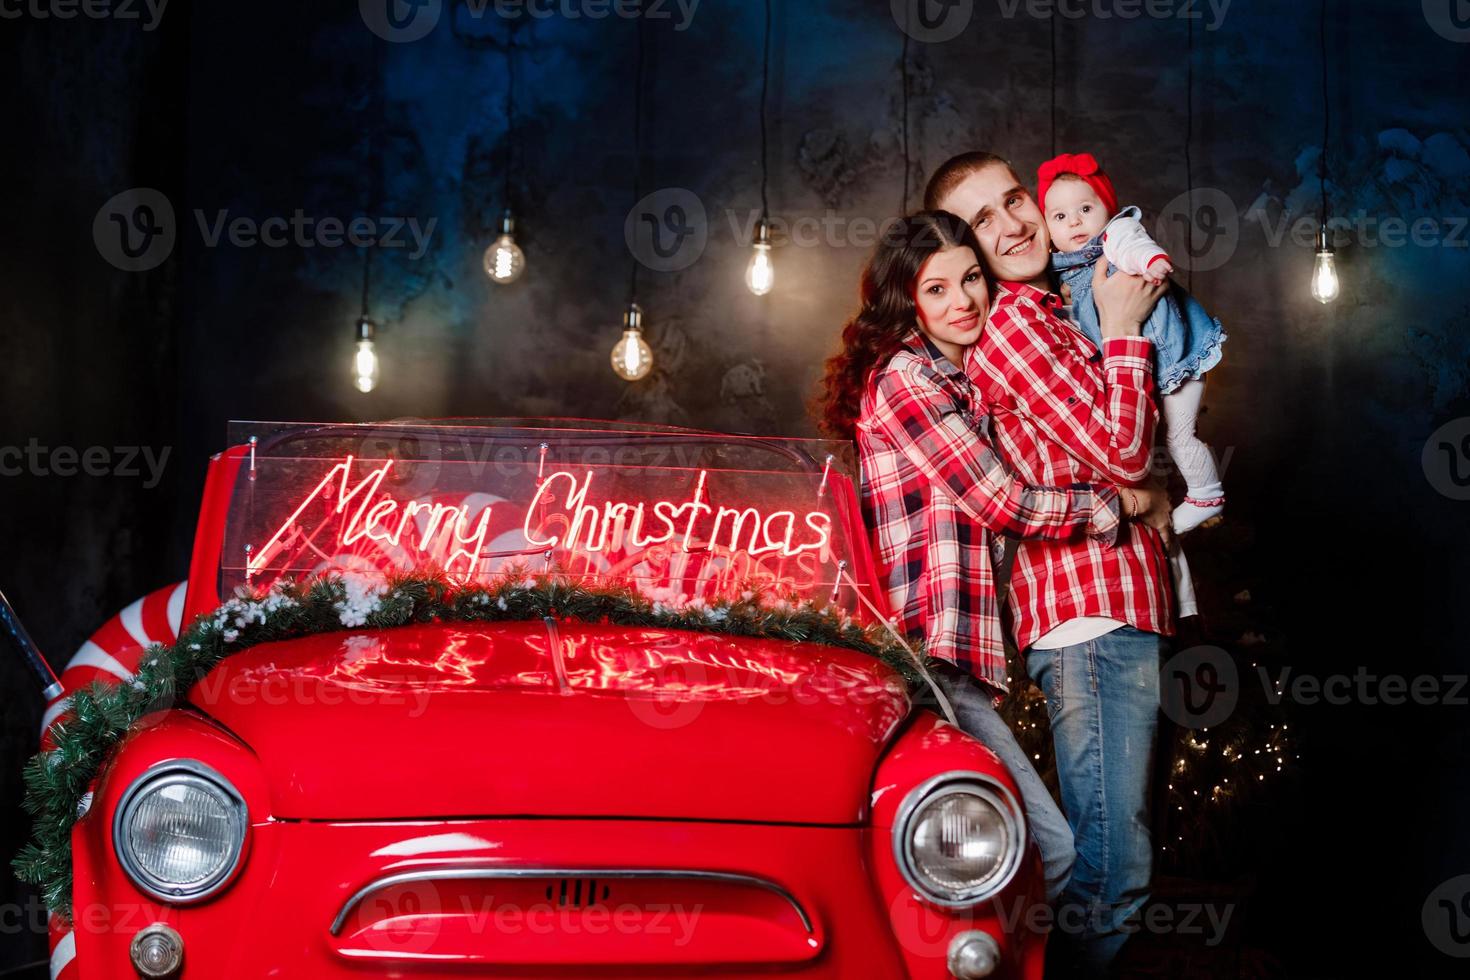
column 952, row 299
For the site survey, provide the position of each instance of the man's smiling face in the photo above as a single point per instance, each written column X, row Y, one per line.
column 1013, row 238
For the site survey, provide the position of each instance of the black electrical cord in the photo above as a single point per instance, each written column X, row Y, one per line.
column 371, row 165
column 903, row 204
column 765, row 84
column 510, row 115
column 1326, row 108
column 1188, row 140
column 1052, row 22
column 637, row 143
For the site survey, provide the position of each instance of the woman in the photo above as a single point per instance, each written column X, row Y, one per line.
column 934, row 491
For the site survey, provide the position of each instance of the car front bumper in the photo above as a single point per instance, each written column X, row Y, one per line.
column 538, row 898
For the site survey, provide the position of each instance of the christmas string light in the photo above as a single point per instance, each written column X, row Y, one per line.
column 1212, row 772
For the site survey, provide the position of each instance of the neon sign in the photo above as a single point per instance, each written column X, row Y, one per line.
column 448, row 534
column 621, row 523
column 563, row 514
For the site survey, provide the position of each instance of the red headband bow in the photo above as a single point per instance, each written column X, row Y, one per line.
column 1084, row 166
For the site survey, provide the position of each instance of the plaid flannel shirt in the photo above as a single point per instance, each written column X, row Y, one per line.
column 933, row 493
column 1061, row 415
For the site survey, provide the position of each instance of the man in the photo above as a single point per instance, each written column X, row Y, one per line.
column 1089, row 617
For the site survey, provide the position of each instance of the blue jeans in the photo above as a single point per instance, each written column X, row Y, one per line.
column 978, row 718
column 1103, row 700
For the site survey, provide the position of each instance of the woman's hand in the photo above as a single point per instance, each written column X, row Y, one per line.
column 1123, row 301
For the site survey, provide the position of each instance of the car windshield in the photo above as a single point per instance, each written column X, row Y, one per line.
column 679, row 514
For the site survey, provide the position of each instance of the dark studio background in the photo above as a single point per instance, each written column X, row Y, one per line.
column 1348, row 537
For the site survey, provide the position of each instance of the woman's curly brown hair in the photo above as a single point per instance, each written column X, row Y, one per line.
column 888, row 315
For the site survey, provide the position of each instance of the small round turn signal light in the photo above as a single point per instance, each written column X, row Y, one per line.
column 973, row 955
column 158, row 952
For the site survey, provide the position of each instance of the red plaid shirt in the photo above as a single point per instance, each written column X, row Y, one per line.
column 933, row 491
column 1063, row 415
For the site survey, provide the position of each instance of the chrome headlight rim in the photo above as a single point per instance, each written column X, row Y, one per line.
column 169, row 772
column 937, row 788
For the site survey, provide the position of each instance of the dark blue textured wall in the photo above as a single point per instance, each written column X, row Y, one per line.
column 261, row 109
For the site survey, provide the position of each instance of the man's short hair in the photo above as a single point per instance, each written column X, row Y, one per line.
column 954, row 170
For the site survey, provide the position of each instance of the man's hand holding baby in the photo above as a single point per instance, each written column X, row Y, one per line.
column 1123, row 301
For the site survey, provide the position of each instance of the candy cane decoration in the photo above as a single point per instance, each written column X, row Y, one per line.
column 110, row 655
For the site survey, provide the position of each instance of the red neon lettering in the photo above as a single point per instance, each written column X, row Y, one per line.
column 552, row 541
column 459, row 542
column 372, row 480
column 694, row 506
column 458, row 538
column 822, row 524
column 735, row 529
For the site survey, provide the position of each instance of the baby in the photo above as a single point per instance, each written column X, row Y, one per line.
column 1082, row 215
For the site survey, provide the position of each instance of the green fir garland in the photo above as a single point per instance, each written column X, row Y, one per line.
column 101, row 713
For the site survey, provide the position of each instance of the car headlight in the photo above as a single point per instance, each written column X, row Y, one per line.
column 179, row 831
column 959, row 838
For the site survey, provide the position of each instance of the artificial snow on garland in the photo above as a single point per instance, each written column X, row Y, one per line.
column 57, row 780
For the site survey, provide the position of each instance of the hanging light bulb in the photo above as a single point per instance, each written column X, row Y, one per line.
column 632, row 358
column 760, row 274
column 504, row 260
column 365, row 360
column 1325, row 285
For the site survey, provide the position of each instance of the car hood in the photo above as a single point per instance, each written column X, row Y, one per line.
column 433, row 721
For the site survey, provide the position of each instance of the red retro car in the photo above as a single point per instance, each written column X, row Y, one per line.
column 539, row 796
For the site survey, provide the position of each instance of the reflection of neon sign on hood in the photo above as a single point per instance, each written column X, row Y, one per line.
column 604, row 528
column 454, row 536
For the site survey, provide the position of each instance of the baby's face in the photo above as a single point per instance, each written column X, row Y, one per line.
column 1074, row 214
